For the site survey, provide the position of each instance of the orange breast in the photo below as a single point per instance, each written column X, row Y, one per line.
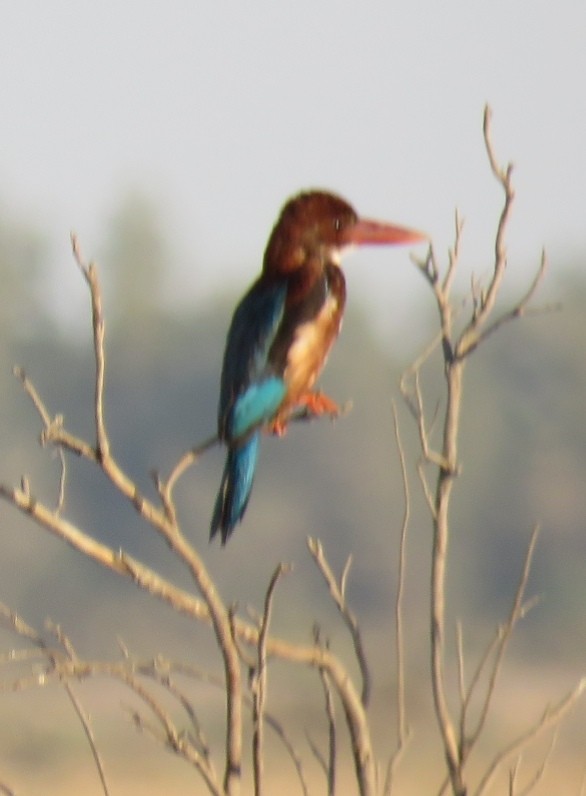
column 311, row 346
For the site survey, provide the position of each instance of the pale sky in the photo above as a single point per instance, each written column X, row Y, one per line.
column 221, row 110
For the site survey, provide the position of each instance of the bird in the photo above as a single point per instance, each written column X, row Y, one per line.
column 281, row 334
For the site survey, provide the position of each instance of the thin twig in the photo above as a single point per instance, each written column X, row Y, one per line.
column 165, row 731
column 337, row 591
column 332, row 736
column 317, row 753
column 402, row 727
column 550, row 718
column 453, row 254
column 163, row 521
column 513, row 775
column 260, row 682
column 457, row 745
column 469, row 338
column 83, row 717
column 403, row 730
column 521, row 308
column 197, row 735
column 540, row 772
column 189, row 458
column 517, row 611
column 54, row 658
column 90, row 275
column 48, row 422
column 89, row 734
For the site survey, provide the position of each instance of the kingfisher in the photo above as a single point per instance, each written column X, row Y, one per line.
column 281, row 334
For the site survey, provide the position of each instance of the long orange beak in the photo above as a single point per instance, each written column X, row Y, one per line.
column 378, row 232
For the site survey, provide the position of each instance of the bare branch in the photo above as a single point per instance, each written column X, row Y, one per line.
column 332, row 737
column 197, row 735
column 484, row 306
column 32, row 393
column 457, row 744
column 162, row 520
column 539, row 773
column 87, row 728
column 53, row 657
column 520, row 309
column 403, row 730
column 316, row 752
column 453, row 255
column 189, row 458
column 337, row 591
column 278, row 728
column 249, row 643
column 504, row 635
column 90, row 275
column 550, row 718
column 259, row 685
column 48, row 422
column 171, row 737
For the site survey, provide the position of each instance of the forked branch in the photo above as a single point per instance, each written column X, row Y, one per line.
column 456, row 347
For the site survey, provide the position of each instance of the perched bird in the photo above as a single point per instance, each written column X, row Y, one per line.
column 281, row 334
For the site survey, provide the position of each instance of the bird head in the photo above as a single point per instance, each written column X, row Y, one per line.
column 318, row 227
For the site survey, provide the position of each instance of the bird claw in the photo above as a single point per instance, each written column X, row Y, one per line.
column 309, row 405
column 278, row 428
column 318, row 403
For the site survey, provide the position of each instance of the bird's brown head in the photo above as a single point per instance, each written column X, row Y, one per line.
column 315, row 227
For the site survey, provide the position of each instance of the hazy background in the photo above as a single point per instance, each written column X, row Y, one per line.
column 222, row 110
column 168, row 136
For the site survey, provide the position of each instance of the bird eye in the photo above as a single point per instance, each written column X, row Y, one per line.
column 337, row 224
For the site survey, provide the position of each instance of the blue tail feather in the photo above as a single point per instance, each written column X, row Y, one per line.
column 235, row 487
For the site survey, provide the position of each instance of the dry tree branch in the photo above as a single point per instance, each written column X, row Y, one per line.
column 551, row 717
column 540, row 771
column 402, row 726
column 52, row 656
column 78, row 708
column 403, row 729
column 330, row 767
column 518, row 610
column 485, row 305
column 327, row 764
column 210, row 608
column 229, row 629
column 338, row 593
column 189, row 458
column 183, row 602
column 317, row 753
column 87, row 728
column 48, row 421
column 64, row 669
column 456, row 348
column 521, row 308
column 90, row 275
column 159, row 670
column 161, row 519
column 197, row 736
column 259, row 682
column 165, row 731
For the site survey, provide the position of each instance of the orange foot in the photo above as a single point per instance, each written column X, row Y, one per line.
column 277, row 427
column 315, row 404
column 318, row 403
